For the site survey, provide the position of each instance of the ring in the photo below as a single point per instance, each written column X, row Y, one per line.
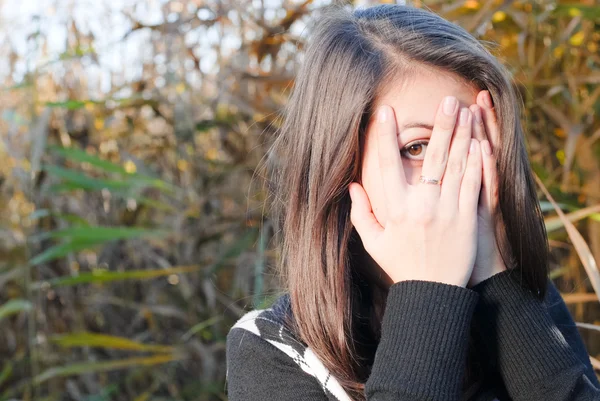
column 426, row 180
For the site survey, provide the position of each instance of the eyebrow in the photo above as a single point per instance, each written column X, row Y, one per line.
column 416, row 125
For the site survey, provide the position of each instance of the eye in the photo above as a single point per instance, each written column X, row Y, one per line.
column 415, row 150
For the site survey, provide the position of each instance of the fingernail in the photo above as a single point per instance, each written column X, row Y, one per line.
column 382, row 114
column 487, row 98
column 450, row 104
column 464, row 116
column 472, row 147
column 477, row 113
column 486, row 147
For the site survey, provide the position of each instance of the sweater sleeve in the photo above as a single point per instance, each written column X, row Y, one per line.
column 421, row 354
column 523, row 343
column 424, row 341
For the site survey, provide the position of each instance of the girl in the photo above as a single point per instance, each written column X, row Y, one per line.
column 413, row 245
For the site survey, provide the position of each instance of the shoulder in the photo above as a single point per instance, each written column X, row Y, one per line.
column 262, row 338
column 268, row 326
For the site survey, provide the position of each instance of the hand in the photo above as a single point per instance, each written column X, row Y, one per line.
column 488, row 261
column 431, row 230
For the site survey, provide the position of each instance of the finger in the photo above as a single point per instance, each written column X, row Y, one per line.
column 470, row 186
column 457, row 160
column 390, row 162
column 490, row 120
column 361, row 215
column 478, row 127
column 436, row 156
column 489, row 184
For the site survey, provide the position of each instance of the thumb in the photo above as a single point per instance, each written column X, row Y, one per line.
column 361, row 215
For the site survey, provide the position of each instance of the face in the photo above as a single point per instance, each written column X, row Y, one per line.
column 415, row 102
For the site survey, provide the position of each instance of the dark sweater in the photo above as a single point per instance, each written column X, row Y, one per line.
column 531, row 350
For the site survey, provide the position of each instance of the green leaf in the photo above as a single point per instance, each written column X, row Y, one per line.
column 84, row 157
column 71, row 104
column 60, row 250
column 71, row 218
column 200, row 326
column 105, row 276
column 77, row 180
column 13, row 307
column 154, row 203
column 205, row 125
column 76, row 52
column 6, row 373
column 573, row 9
column 80, row 238
column 127, row 183
column 105, row 394
column 98, row 234
column 105, row 366
column 81, row 156
column 86, row 339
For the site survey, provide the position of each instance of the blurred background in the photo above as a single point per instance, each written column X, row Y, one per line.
column 132, row 224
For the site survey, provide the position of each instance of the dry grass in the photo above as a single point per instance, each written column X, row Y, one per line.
column 132, row 219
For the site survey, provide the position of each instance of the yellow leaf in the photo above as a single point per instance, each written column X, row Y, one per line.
column 592, row 47
column 212, row 154
column 99, row 123
column 574, row 12
column 472, row 4
column 577, row 39
column 25, row 165
column 87, row 339
column 558, row 52
column 180, row 88
column 182, row 165
column 499, row 16
column 560, row 155
column 130, row 167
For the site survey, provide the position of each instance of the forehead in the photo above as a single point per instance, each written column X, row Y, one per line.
column 417, row 97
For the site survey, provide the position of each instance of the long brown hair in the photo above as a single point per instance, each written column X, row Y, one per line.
column 337, row 301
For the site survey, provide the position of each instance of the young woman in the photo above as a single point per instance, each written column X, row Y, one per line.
column 413, row 245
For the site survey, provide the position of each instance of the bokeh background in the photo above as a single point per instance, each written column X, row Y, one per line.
column 132, row 223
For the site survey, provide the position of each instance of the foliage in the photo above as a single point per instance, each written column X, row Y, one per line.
column 132, row 217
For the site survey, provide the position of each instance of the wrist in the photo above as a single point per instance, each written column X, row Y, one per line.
column 481, row 274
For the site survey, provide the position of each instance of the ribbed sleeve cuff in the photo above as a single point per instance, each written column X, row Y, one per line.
column 517, row 333
column 424, row 340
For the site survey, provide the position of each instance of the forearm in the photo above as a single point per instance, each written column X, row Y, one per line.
column 424, row 341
